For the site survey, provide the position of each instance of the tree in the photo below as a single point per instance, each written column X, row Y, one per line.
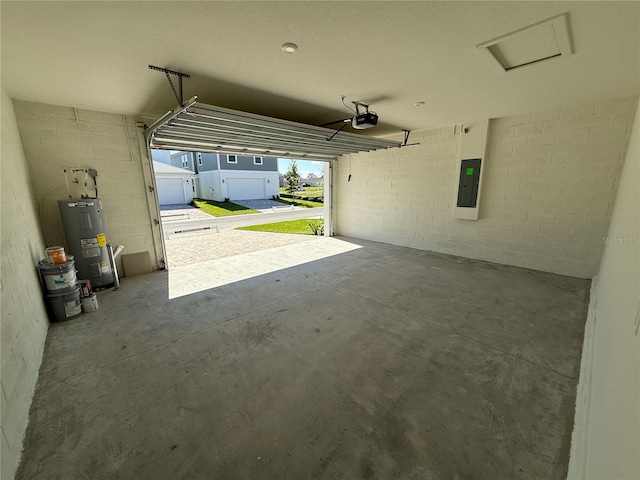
column 292, row 177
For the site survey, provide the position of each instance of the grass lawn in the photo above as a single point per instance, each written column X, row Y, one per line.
column 308, row 192
column 301, row 203
column 300, row 227
column 221, row 209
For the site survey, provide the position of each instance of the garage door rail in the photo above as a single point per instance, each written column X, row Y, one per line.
column 207, row 128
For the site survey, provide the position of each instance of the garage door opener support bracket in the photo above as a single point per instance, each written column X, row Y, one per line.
column 180, row 76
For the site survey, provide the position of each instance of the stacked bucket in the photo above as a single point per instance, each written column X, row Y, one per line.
column 62, row 291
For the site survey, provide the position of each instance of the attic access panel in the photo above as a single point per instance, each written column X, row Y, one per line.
column 536, row 43
column 207, row 128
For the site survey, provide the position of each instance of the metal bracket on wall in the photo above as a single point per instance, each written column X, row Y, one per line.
column 180, row 75
column 406, row 139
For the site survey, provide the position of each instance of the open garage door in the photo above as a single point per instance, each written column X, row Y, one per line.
column 245, row 188
column 199, row 127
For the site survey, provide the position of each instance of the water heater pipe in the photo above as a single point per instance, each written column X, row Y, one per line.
column 112, row 260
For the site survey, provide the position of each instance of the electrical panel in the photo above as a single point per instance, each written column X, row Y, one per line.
column 469, row 181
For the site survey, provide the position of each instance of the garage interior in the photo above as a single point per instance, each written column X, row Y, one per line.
column 412, row 343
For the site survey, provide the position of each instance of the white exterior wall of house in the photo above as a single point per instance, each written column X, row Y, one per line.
column 270, row 182
column 549, row 185
column 174, row 189
column 175, row 185
column 218, row 184
column 238, row 184
column 208, row 186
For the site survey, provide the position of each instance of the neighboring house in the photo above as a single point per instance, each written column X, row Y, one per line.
column 175, row 185
column 184, row 160
column 236, row 177
column 220, row 176
column 312, row 181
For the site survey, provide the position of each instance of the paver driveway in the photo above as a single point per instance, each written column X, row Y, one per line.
column 195, row 247
column 200, row 245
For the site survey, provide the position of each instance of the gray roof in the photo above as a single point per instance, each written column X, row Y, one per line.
column 159, row 167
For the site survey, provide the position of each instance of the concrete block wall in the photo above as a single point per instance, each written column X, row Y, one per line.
column 56, row 137
column 606, row 436
column 24, row 320
column 549, row 185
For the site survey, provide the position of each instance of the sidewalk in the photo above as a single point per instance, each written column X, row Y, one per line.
column 169, row 213
column 265, row 205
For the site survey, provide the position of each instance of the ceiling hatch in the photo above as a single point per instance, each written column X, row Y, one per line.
column 533, row 44
column 206, row 128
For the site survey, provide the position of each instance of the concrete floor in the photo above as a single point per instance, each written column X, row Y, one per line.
column 369, row 362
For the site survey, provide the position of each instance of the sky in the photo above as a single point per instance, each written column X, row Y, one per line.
column 305, row 167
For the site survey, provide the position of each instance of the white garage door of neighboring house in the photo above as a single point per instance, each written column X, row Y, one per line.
column 245, row 188
column 171, row 191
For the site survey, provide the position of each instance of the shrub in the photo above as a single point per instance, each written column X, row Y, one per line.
column 317, row 226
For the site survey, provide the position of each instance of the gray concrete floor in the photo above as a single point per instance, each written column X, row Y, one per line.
column 369, row 361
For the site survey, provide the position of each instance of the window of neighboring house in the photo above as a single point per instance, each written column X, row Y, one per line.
column 257, row 160
column 199, row 159
column 232, row 159
column 185, row 162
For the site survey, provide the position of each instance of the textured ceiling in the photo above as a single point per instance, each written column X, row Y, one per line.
column 95, row 55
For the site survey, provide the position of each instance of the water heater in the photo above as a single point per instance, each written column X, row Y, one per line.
column 83, row 224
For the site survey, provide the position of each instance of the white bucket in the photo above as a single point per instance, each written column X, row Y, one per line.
column 90, row 303
column 59, row 278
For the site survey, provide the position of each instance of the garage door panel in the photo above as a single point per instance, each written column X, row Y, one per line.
column 202, row 127
column 246, row 188
column 170, row 191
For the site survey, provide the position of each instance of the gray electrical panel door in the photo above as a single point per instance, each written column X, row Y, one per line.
column 469, row 180
column 84, row 229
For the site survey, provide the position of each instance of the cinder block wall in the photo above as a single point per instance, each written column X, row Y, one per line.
column 24, row 319
column 606, row 437
column 57, row 137
column 549, row 185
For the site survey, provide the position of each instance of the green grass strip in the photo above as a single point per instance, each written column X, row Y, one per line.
column 300, row 227
column 301, row 203
column 221, row 209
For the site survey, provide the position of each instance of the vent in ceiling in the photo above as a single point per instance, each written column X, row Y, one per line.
column 530, row 45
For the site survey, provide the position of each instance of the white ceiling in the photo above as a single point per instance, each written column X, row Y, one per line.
column 95, row 55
